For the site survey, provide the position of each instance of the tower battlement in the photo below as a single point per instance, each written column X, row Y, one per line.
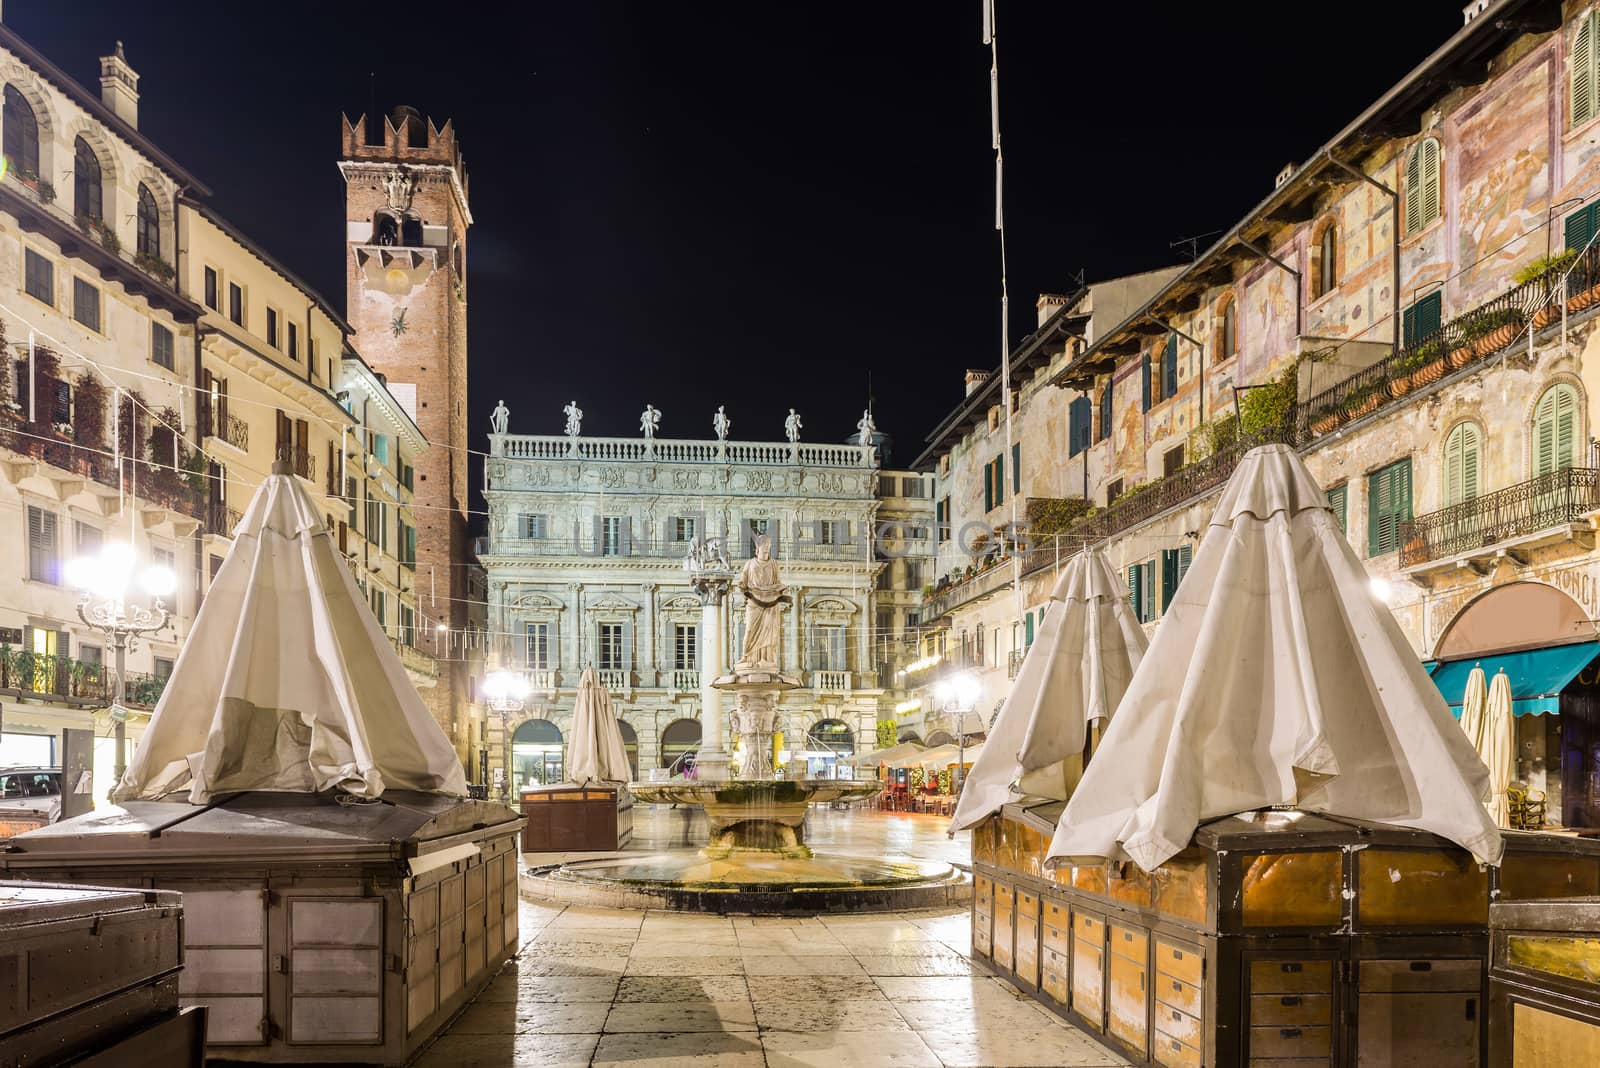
column 408, row 137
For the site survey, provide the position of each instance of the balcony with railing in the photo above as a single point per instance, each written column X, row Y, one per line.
column 830, row 681
column 1509, row 522
column 301, row 461
column 1014, row 662
column 545, row 681
column 221, row 519
column 226, row 427
column 415, row 660
column 616, row 681
column 685, row 681
column 69, row 680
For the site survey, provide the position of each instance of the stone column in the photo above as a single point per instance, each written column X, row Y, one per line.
column 713, row 759
column 649, row 641
column 795, row 638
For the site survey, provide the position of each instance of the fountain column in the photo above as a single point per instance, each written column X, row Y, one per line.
column 712, row 763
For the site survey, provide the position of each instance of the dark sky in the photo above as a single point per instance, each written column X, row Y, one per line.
column 753, row 204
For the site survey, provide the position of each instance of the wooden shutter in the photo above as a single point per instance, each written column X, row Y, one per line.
column 1461, row 464
column 988, row 487
column 1105, row 411
column 1338, row 503
column 1027, row 630
column 41, row 545
column 1169, row 367
column 1580, row 227
column 1169, row 577
column 1016, row 467
column 1148, row 588
column 1581, row 71
column 1000, row 480
column 1566, row 426
column 1555, row 428
column 1430, row 179
column 1185, row 558
column 1144, row 371
column 1135, row 572
column 1413, row 190
column 1378, row 503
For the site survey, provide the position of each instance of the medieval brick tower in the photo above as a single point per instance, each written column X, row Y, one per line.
column 406, row 220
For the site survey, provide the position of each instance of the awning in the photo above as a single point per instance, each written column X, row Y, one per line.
column 1537, row 676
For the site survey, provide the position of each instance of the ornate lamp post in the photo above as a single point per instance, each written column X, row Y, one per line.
column 507, row 692
column 958, row 694
column 105, row 580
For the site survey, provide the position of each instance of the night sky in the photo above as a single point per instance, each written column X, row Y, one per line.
column 753, row 204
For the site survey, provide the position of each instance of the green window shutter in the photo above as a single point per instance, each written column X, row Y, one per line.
column 1027, row 630
column 1581, row 67
column 1169, row 577
column 1169, row 367
column 1566, row 426
column 1413, row 190
column 1147, row 586
column 1338, row 502
column 1452, row 465
column 1430, row 314
column 1135, row 572
column 1555, row 430
column 1580, row 226
column 988, row 487
column 1144, row 370
column 1378, row 504
column 1185, row 558
column 1016, row 467
column 1544, row 436
column 1105, row 411
column 1000, row 480
column 1430, row 180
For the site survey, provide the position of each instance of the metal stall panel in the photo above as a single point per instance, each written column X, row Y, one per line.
column 509, row 899
column 422, row 957
column 335, row 971
column 1129, row 1002
column 494, row 911
column 1089, row 969
column 452, row 918
column 476, row 917
column 225, row 963
column 1419, row 1012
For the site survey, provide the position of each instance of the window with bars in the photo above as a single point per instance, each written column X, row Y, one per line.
column 1555, row 430
column 533, row 527
column 1423, row 184
column 1388, row 505
column 1461, row 464
column 44, row 556
column 611, row 647
column 538, row 637
column 86, row 303
column 685, row 647
column 39, row 277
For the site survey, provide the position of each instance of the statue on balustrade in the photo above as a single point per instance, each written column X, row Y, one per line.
column 764, row 596
column 650, row 421
column 721, row 423
column 791, row 426
column 574, row 416
column 500, row 418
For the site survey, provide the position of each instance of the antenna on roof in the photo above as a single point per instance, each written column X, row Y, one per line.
column 1193, row 243
column 1078, row 278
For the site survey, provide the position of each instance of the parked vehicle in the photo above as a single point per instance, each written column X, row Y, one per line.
column 29, row 798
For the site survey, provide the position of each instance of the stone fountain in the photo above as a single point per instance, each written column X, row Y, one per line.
column 756, row 859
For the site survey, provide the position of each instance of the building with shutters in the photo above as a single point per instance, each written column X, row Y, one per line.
column 1412, row 308
column 584, row 563
column 160, row 361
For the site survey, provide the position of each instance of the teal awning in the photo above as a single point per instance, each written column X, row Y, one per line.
column 1537, row 676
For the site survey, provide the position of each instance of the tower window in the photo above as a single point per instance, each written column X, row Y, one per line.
column 149, row 224
column 411, row 232
column 21, row 137
column 87, row 199
column 385, row 229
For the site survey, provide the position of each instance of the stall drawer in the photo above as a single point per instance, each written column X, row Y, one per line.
column 1291, row 977
column 1432, row 976
column 1178, row 961
column 1055, row 914
column 1129, row 1001
column 982, row 894
column 1180, row 995
column 1088, row 983
column 982, row 934
column 1175, row 1053
column 1004, row 925
column 1053, row 974
column 1089, row 928
column 1175, row 1023
column 1290, row 1042
column 1290, row 1010
column 1056, row 938
column 1130, row 942
column 1027, row 902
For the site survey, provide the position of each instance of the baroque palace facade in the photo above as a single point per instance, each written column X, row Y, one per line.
column 1413, row 308
column 584, row 561
column 159, row 361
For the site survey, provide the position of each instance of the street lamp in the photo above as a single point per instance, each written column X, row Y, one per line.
column 105, row 580
column 958, row 693
column 507, row 692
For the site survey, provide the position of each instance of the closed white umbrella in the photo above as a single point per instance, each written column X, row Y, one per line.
column 1276, row 678
column 1499, row 748
column 1081, row 661
column 287, row 682
column 596, row 752
column 1472, row 707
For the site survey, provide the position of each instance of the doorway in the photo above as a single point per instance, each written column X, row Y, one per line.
column 535, row 755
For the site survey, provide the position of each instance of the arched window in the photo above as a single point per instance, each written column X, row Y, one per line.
column 87, row 202
column 1228, row 331
column 1327, row 278
column 385, row 229
column 1555, row 430
column 21, row 134
column 630, row 744
column 411, row 232
column 535, row 755
column 1581, row 70
column 1422, row 185
column 1461, row 464
column 679, row 744
column 149, row 224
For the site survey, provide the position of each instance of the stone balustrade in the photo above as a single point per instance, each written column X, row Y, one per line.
column 677, row 451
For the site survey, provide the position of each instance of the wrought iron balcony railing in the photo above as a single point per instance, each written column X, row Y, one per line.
column 1525, row 509
column 66, row 678
column 1014, row 662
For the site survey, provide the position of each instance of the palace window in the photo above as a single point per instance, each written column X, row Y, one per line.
column 147, row 233
column 685, row 647
column 1105, row 412
column 1079, row 432
column 1555, row 430
column 1422, row 185
column 539, row 646
column 161, row 346
column 86, row 303
column 272, row 327
column 1461, row 464
column 1388, row 505
column 683, row 528
column 611, row 652
column 44, row 559
column 211, row 289
column 21, row 135
column 39, row 277
column 533, row 527
column 235, row 304
column 88, row 201
column 1169, row 368
column 1228, row 339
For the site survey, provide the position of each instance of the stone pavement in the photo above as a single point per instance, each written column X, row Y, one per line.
column 663, row 990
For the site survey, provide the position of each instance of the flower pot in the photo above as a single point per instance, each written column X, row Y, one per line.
column 1427, row 374
column 1546, row 315
column 1400, row 386
column 1363, row 406
column 1496, row 339
column 1586, row 299
column 1327, row 422
column 1461, row 355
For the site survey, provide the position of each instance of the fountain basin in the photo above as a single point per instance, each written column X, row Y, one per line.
column 755, row 815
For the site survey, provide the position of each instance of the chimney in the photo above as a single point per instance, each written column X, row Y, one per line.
column 119, row 87
column 1049, row 304
column 975, row 379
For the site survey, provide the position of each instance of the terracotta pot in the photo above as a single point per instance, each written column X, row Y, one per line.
column 1427, row 374
column 1546, row 315
column 1586, row 299
column 1364, row 406
column 1399, row 387
column 1327, row 423
column 1496, row 339
column 1461, row 355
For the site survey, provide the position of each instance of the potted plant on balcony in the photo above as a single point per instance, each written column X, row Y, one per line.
column 1461, row 349
column 155, row 266
column 1548, row 270
column 1362, row 401
column 1429, row 359
column 1496, row 329
column 1583, row 287
column 1327, row 420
